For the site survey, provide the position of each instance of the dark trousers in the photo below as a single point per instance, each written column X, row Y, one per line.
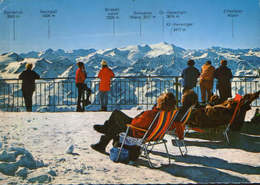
column 116, row 124
column 80, row 87
column 27, row 95
column 224, row 91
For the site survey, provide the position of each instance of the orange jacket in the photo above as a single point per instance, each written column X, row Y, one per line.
column 207, row 72
column 143, row 121
column 105, row 75
column 80, row 76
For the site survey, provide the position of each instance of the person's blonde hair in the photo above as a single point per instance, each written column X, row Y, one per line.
column 189, row 98
column 166, row 101
column 28, row 66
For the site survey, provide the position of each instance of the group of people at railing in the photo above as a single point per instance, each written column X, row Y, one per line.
column 105, row 75
column 190, row 76
column 206, row 77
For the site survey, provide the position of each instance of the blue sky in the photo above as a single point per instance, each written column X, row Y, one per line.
column 81, row 24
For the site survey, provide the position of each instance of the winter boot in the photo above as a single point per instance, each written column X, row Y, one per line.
column 101, row 145
column 100, row 128
column 103, row 129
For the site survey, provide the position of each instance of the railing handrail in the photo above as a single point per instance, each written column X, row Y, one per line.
column 92, row 77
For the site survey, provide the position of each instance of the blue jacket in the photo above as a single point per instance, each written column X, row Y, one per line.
column 190, row 75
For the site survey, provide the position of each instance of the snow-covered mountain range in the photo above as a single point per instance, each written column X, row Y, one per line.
column 155, row 59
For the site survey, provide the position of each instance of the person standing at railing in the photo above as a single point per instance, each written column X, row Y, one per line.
column 206, row 81
column 223, row 74
column 105, row 75
column 190, row 76
column 28, row 77
column 80, row 78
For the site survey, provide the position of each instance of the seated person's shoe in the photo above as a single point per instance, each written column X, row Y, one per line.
column 98, row 148
column 100, row 128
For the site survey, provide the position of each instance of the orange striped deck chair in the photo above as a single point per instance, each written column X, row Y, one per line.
column 154, row 135
column 238, row 99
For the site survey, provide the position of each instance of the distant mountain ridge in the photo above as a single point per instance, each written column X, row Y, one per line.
column 155, row 59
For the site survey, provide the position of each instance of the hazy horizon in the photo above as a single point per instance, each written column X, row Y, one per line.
column 35, row 25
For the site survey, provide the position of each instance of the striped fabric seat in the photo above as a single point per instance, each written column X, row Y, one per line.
column 163, row 125
column 153, row 135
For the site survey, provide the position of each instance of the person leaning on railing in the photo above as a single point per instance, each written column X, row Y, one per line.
column 206, row 81
column 28, row 77
column 190, row 75
column 80, row 78
column 118, row 121
column 223, row 74
column 105, row 75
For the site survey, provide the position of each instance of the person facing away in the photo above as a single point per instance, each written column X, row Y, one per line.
column 80, row 78
column 105, row 75
column 206, row 81
column 118, row 120
column 28, row 77
column 223, row 75
column 190, row 75
column 189, row 98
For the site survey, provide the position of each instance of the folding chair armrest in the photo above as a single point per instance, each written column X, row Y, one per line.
column 141, row 129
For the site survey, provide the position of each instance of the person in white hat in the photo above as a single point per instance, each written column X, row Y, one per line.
column 105, row 75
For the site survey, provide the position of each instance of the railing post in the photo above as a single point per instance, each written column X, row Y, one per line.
column 177, row 89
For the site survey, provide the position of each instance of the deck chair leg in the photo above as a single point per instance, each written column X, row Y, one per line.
column 147, row 156
column 167, row 152
column 183, row 153
column 226, row 134
column 179, row 144
column 122, row 144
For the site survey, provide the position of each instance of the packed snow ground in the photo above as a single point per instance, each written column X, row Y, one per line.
column 47, row 137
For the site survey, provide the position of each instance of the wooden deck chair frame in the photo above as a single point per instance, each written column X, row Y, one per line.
column 152, row 136
column 180, row 142
column 236, row 112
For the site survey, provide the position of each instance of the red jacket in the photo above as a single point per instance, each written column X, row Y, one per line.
column 80, row 76
column 105, row 75
column 143, row 121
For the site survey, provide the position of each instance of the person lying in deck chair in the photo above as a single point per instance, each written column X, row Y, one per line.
column 118, row 121
column 221, row 114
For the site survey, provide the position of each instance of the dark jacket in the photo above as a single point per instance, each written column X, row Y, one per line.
column 28, row 77
column 223, row 74
column 190, row 75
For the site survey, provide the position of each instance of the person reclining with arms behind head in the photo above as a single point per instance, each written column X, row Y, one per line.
column 118, row 121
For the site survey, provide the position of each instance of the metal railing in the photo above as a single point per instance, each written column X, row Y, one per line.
column 60, row 94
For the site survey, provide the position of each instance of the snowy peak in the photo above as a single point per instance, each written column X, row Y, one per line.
column 13, row 56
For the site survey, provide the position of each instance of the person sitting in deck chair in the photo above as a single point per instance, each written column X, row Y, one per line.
column 189, row 98
column 118, row 121
column 221, row 114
